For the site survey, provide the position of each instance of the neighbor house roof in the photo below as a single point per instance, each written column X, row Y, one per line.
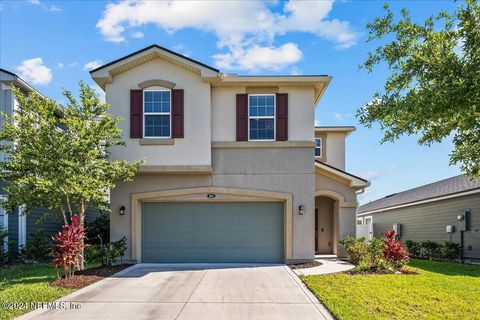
column 341, row 175
column 8, row 78
column 448, row 188
column 104, row 74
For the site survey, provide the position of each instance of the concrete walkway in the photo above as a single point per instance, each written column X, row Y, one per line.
column 191, row 291
column 328, row 266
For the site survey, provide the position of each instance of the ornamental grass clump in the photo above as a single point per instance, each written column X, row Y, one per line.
column 68, row 247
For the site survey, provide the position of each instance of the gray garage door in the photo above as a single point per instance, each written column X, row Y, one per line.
column 212, row 232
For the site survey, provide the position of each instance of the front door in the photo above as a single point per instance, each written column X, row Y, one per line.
column 324, row 225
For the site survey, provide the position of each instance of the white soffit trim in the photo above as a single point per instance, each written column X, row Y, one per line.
column 448, row 196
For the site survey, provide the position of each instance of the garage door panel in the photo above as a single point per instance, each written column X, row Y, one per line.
column 212, row 232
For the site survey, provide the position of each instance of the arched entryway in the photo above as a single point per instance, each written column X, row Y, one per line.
column 326, row 222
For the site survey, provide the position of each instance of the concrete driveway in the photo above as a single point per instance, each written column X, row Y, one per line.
column 192, row 291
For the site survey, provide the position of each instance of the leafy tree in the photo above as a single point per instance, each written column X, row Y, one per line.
column 433, row 89
column 58, row 157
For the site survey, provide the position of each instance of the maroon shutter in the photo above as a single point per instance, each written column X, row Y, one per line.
column 177, row 113
column 282, row 117
column 136, row 113
column 242, row 117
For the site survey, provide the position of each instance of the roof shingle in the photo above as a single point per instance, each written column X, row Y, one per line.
column 437, row 189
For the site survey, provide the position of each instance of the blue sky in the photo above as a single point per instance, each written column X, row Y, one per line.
column 53, row 44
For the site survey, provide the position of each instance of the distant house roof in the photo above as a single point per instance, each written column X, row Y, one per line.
column 455, row 186
column 8, row 78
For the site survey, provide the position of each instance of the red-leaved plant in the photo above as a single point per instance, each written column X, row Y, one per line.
column 394, row 251
column 68, row 247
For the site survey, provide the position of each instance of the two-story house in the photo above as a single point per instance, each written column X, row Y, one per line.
column 234, row 171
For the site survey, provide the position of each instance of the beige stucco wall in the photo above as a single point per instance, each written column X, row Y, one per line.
column 300, row 113
column 194, row 148
column 335, row 150
column 233, row 169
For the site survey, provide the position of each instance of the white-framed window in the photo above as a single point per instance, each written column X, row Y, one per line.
column 359, row 221
column 261, row 117
column 318, row 147
column 368, row 220
column 157, row 119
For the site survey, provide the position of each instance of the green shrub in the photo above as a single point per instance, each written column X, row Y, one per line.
column 357, row 250
column 375, row 247
column 451, row 251
column 413, row 248
column 98, row 229
column 37, row 249
column 93, row 254
column 429, row 250
column 115, row 250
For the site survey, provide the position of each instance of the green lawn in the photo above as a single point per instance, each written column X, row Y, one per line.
column 27, row 284
column 440, row 291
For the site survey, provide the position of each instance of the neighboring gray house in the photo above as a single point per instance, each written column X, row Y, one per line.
column 22, row 226
column 425, row 212
column 231, row 173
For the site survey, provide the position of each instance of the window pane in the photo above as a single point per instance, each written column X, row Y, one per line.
column 157, row 126
column 261, row 129
column 317, row 152
column 148, row 106
column 262, row 106
column 148, row 96
column 318, row 143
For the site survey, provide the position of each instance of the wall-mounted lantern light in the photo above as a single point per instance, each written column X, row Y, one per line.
column 121, row 211
column 301, row 210
column 460, row 217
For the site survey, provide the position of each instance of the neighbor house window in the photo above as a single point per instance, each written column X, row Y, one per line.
column 359, row 221
column 318, row 147
column 368, row 220
column 261, row 117
column 156, row 110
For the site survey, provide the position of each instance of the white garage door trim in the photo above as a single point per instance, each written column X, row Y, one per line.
column 201, row 194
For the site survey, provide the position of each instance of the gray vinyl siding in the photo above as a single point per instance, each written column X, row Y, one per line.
column 49, row 226
column 428, row 221
column 13, row 227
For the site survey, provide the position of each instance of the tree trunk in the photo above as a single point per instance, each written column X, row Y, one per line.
column 82, row 223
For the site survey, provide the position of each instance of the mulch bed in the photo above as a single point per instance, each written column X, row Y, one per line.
column 312, row 264
column 86, row 277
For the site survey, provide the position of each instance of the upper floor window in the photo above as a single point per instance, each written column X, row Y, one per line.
column 157, row 114
column 318, row 147
column 261, row 117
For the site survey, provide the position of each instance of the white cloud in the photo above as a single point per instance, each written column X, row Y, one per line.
column 257, row 57
column 92, row 65
column 341, row 116
column 54, row 9
column 317, row 123
column 295, row 71
column 369, row 175
column 35, row 2
column 137, row 35
column 34, row 71
column 60, row 65
column 243, row 27
column 72, row 64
